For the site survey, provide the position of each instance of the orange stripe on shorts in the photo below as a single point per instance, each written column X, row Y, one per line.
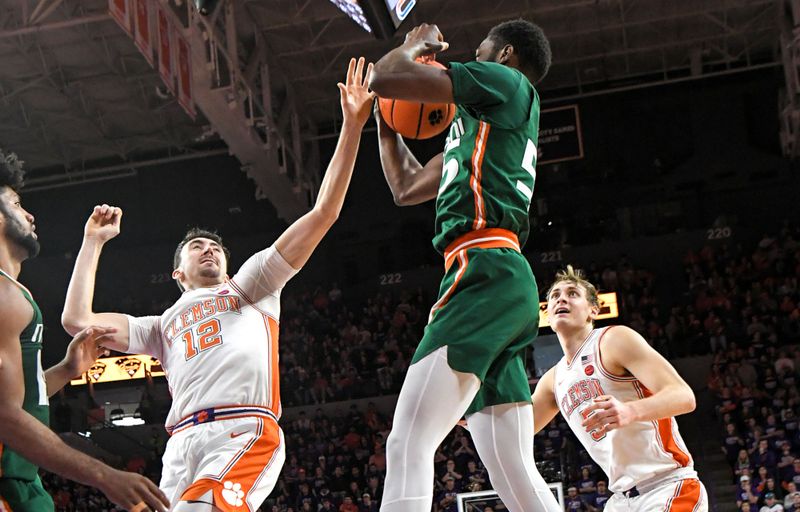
column 463, row 261
column 686, row 498
column 232, row 487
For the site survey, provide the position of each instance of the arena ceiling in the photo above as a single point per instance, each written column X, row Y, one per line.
column 77, row 96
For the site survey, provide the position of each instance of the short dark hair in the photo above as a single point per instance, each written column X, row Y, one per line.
column 198, row 233
column 12, row 175
column 530, row 45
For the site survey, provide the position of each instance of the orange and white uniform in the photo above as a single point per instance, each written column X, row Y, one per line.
column 219, row 350
column 647, row 462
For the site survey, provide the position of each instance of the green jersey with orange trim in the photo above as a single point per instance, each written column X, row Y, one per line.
column 490, row 153
column 13, row 465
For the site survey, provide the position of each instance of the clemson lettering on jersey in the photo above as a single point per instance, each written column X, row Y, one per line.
column 579, row 393
column 227, row 333
column 199, row 311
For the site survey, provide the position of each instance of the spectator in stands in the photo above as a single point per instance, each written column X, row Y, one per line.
column 791, row 492
column 793, row 473
column 742, row 463
column 586, row 485
column 760, row 479
column 733, row 445
column 462, row 449
column 795, row 505
column 375, row 489
column 764, row 456
column 573, row 502
column 598, row 501
column 348, row 505
column 447, row 498
column 367, row 505
column 771, row 504
column 745, row 492
column 771, row 488
column 476, row 477
column 450, row 473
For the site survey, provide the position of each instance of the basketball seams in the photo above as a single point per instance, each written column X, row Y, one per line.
column 419, row 119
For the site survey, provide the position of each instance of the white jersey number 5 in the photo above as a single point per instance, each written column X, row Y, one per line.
column 529, row 164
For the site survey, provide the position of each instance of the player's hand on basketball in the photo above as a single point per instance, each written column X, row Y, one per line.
column 356, row 97
column 86, row 347
column 425, row 40
column 104, row 223
column 133, row 492
column 606, row 413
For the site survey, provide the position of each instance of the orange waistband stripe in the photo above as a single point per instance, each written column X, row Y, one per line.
column 490, row 238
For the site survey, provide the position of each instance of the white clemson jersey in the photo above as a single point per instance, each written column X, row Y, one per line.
column 219, row 346
column 632, row 455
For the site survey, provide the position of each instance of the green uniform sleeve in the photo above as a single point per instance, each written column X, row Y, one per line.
column 492, row 92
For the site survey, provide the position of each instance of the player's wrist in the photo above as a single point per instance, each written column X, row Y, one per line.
column 93, row 241
column 350, row 124
column 634, row 411
column 411, row 51
column 99, row 475
column 60, row 370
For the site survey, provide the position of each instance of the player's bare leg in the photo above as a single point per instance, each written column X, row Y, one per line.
column 503, row 436
column 433, row 398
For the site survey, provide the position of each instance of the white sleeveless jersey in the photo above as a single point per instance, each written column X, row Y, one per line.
column 631, row 455
column 219, row 346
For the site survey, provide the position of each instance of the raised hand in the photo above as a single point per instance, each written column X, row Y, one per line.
column 356, row 97
column 425, row 40
column 104, row 223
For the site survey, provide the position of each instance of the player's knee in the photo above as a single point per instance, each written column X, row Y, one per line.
column 395, row 445
column 406, row 448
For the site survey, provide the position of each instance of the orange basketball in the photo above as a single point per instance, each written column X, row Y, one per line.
column 415, row 120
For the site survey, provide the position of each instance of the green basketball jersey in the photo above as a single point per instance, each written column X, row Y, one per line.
column 12, row 465
column 490, row 153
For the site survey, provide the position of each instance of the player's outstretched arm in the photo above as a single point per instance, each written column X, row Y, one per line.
column 410, row 182
column 31, row 439
column 624, row 351
column 102, row 226
column 84, row 349
column 398, row 75
column 298, row 242
column 545, row 407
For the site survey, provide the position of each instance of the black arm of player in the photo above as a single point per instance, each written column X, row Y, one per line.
column 398, row 75
column 410, row 182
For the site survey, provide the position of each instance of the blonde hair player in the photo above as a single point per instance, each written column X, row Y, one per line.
column 620, row 398
column 219, row 342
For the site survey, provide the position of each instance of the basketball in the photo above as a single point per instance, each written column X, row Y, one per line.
column 416, row 120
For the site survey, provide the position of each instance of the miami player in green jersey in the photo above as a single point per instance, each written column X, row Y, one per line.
column 25, row 439
column 471, row 357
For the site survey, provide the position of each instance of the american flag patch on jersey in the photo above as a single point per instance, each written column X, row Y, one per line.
column 587, row 359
